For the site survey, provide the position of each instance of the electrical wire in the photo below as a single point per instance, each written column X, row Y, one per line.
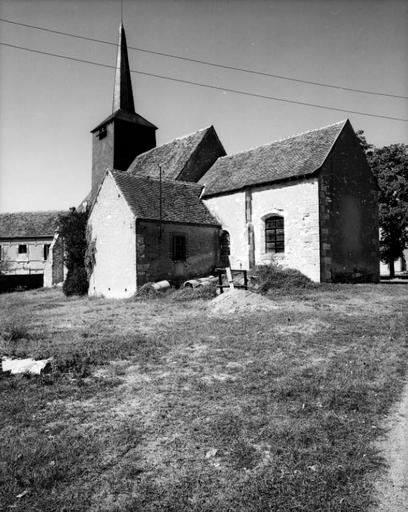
column 208, row 86
column 209, row 63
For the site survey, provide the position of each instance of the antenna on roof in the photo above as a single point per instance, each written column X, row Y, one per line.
column 121, row 11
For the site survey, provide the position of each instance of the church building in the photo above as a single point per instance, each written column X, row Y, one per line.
column 171, row 212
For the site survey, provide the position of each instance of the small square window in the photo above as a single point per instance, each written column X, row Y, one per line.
column 46, row 251
column 22, row 249
column 102, row 132
column 179, row 248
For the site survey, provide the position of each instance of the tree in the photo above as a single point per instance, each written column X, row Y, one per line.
column 72, row 227
column 389, row 165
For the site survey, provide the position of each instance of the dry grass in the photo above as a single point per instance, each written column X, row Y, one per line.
column 156, row 406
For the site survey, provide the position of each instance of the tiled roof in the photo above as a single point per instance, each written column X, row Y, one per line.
column 28, row 224
column 172, row 157
column 294, row 157
column 180, row 200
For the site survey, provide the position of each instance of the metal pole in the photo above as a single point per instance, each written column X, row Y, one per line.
column 160, row 202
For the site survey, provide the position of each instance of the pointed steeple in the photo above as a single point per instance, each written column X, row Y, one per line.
column 122, row 91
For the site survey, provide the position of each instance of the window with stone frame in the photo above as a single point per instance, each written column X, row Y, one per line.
column 274, row 234
column 179, row 248
column 22, row 249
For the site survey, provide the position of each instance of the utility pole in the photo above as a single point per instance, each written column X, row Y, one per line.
column 160, row 202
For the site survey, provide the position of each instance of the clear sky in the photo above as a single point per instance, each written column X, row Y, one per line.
column 48, row 105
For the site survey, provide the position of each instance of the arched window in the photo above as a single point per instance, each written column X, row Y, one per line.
column 274, row 234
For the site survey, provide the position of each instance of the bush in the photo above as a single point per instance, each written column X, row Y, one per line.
column 76, row 282
column 201, row 292
column 146, row 291
column 270, row 277
column 72, row 227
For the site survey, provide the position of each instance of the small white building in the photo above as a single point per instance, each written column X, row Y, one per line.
column 31, row 252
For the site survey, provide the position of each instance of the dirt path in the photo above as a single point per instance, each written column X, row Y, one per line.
column 392, row 489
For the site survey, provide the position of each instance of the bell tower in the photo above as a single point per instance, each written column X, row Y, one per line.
column 124, row 134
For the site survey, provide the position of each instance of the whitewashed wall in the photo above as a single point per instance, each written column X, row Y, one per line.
column 229, row 210
column 31, row 262
column 113, row 229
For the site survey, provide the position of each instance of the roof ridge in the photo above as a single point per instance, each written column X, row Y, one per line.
column 169, row 142
column 283, row 139
column 149, row 178
column 33, row 211
column 193, row 133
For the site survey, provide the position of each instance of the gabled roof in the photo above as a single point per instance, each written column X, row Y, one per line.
column 172, row 157
column 294, row 157
column 125, row 116
column 180, row 200
column 28, row 224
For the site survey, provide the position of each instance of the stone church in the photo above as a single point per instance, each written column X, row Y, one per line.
column 181, row 209
column 174, row 211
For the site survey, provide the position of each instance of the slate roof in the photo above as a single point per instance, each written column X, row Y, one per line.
column 28, row 224
column 172, row 157
column 294, row 157
column 125, row 116
column 180, row 200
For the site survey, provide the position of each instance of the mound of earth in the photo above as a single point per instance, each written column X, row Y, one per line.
column 239, row 301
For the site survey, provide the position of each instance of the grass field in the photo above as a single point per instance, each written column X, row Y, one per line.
column 156, row 405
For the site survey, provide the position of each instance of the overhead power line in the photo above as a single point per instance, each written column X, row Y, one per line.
column 209, row 63
column 208, row 86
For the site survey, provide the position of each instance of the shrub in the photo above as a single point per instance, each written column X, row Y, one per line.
column 76, row 282
column 201, row 292
column 270, row 277
column 146, row 291
column 72, row 226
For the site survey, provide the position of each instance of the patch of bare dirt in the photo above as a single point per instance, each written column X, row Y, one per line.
column 392, row 489
column 310, row 326
column 239, row 301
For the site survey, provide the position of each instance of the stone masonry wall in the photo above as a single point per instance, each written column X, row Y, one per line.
column 296, row 201
column 112, row 227
column 54, row 269
column 203, row 157
column 154, row 253
column 348, row 214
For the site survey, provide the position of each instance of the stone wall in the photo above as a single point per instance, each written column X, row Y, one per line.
column 112, row 228
column 154, row 251
column 296, row 201
column 207, row 152
column 348, row 214
column 54, row 268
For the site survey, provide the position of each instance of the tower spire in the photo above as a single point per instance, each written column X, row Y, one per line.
column 122, row 91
